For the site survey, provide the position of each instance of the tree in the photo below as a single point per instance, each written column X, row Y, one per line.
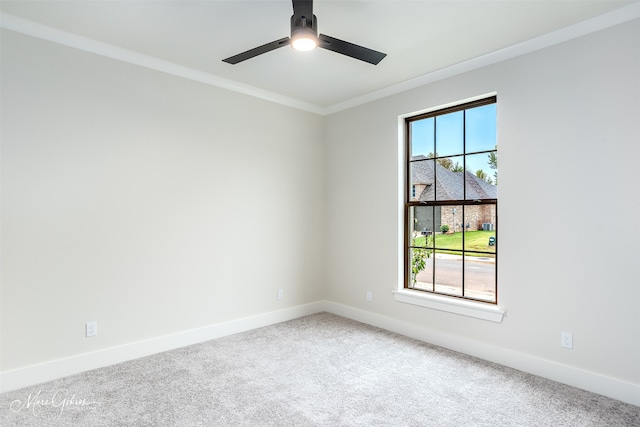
column 419, row 259
column 457, row 168
column 493, row 164
column 447, row 163
column 483, row 175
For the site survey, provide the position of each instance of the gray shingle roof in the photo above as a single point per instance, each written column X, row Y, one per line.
column 448, row 184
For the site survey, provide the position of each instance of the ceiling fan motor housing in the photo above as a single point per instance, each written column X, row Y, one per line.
column 303, row 26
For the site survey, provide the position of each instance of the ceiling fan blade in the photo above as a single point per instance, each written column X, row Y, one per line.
column 257, row 51
column 303, row 8
column 353, row 50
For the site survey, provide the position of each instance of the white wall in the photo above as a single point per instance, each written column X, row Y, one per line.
column 156, row 205
column 149, row 203
column 568, row 129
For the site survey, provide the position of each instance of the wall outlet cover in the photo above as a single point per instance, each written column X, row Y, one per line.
column 92, row 329
column 566, row 340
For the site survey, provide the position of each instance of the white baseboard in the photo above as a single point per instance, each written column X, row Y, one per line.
column 48, row 371
column 36, row 374
column 611, row 387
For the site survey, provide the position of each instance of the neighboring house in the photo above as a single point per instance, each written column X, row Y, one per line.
column 430, row 181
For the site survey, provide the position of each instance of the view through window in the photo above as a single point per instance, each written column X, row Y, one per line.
column 451, row 200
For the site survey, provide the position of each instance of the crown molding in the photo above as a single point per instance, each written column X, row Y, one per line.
column 51, row 34
column 592, row 25
column 44, row 32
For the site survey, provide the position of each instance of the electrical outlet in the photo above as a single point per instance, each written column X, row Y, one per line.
column 369, row 296
column 92, row 329
column 280, row 294
column 566, row 340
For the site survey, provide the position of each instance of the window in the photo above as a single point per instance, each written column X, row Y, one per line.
column 451, row 201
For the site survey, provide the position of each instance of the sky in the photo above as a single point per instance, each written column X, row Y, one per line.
column 449, row 130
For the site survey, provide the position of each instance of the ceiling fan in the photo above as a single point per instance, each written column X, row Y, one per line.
column 304, row 36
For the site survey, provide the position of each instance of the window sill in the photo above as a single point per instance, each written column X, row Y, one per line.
column 478, row 310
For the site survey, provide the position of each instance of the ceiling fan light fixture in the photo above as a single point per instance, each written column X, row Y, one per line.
column 304, row 43
column 304, row 33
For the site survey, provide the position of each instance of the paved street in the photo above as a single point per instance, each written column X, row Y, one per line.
column 479, row 277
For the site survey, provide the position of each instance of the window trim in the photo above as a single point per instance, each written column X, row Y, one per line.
column 450, row 304
column 487, row 310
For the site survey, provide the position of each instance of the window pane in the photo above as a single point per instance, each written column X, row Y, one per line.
column 421, row 269
column 449, row 134
column 480, row 128
column 450, row 236
column 449, row 178
column 481, row 177
column 421, row 176
column 481, row 234
column 423, row 225
column 451, row 212
column 422, row 137
column 480, row 277
column 448, row 273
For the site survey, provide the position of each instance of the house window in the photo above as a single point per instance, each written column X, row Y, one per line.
column 451, row 200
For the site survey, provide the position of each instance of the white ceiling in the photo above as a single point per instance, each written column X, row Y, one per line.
column 191, row 38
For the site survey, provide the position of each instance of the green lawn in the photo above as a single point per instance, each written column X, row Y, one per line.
column 473, row 240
